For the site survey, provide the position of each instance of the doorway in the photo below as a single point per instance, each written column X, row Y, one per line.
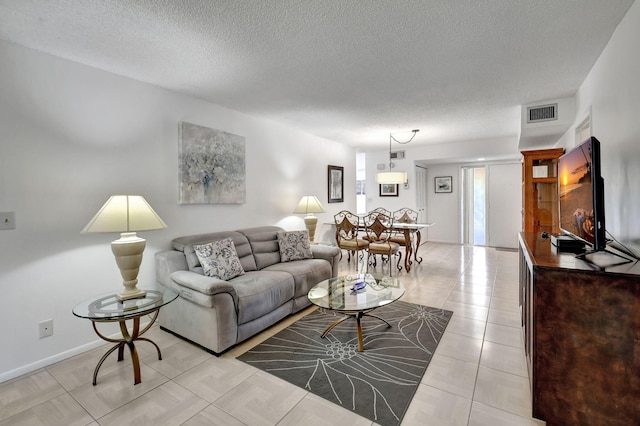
column 474, row 205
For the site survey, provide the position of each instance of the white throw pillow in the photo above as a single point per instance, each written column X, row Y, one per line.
column 219, row 259
column 294, row 245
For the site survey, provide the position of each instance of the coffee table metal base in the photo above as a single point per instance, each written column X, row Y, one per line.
column 358, row 316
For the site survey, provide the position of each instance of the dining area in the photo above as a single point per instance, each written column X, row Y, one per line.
column 394, row 236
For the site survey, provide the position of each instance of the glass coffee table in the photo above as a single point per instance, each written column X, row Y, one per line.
column 355, row 296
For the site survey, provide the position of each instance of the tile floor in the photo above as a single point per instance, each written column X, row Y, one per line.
column 477, row 376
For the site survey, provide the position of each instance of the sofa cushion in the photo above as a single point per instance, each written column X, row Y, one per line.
column 306, row 273
column 264, row 244
column 261, row 292
column 294, row 245
column 219, row 259
column 243, row 248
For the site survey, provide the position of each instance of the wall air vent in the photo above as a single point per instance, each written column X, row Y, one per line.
column 397, row 155
column 540, row 113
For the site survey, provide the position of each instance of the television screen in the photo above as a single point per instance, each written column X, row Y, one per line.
column 581, row 194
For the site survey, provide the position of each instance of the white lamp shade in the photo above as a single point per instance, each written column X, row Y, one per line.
column 391, row 177
column 309, row 204
column 125, row 213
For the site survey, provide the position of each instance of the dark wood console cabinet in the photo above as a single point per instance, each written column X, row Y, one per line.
column 582, row 336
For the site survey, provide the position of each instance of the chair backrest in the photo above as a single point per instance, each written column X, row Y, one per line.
column 378, row 226
column 346, row 225
column 381, row 210
column 405, row 215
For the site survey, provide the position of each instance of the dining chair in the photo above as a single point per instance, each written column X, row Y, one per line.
column 405, row 238
column 347, row 238
column 379, row 230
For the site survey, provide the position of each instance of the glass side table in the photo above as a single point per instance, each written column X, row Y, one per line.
column 107, row 308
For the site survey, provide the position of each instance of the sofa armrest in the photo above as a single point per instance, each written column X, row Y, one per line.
column 167, row 262
column 203, row 284
column 329, row 253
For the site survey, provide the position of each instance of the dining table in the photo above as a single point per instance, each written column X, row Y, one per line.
column 407, row 229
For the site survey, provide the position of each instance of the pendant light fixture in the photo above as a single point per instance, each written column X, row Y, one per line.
column 394, row 177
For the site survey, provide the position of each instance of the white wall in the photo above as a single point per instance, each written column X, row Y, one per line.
column 612, row 92
column 70, row 136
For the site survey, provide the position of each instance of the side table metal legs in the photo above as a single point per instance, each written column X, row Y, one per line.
column 127, row 339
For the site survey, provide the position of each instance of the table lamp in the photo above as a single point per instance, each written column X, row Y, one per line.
column 308, row 205
column 126, row 214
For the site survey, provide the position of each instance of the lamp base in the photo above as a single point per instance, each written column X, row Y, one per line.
column 136, row 293
column 310, row 222
column 128, row 252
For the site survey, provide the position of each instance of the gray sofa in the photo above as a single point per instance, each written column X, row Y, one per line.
column 217, row 314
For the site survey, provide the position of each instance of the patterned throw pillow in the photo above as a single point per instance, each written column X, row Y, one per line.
column 294, row 245
column 219, row 259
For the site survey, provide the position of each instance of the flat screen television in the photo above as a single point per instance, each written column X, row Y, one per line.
column 581, row 194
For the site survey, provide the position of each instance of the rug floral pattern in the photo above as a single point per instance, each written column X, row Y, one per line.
column 378, row 383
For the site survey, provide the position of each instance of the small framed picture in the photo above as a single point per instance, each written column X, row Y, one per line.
column 443, row 184
column 388, row 189
column 335, row 184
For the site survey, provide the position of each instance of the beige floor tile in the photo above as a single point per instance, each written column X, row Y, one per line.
column 62, row 410
column 427, row 296
column 313, row 410
column 213, row 415
column 510, row 336
column 467, row 311
column 460, row 347
column 484, row 415
column 262, row 399
column 160, row 337
column 474, row 299
column 507, row 392
column 431, row 406
column 27, row 392
column 177, row 358
column 510, row 305
column 78, row 370
column 478, row 280
column 505, row 282
column 506, row 293
column 116, row 389
column 215, row 377
column 430, row 281
column 167, row 405
column 485, row 290
column 451, row 375
column 504, row 358
column 466, row 326
column 508, row 318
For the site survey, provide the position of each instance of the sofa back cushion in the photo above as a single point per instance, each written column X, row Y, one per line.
column 264, row 244
column 241, row 243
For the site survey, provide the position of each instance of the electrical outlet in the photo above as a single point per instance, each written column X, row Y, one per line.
column 7, row 221
column 46, row 328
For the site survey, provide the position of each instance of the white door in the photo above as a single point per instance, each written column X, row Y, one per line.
column 421, row 194
column 505, row 204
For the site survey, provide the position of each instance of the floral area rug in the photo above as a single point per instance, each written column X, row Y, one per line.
column 378, row 383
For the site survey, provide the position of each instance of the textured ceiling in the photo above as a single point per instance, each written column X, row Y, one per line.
column 345, row 70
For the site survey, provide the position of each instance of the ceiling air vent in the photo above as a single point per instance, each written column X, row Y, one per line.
column 542, row 113
column 397, row 155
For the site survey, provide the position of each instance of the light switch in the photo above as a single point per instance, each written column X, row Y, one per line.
column 7, row 221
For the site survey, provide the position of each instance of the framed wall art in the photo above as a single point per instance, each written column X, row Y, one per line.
column 388, row 189
column 212, row 166
column 443, row 184
column 335, row 184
